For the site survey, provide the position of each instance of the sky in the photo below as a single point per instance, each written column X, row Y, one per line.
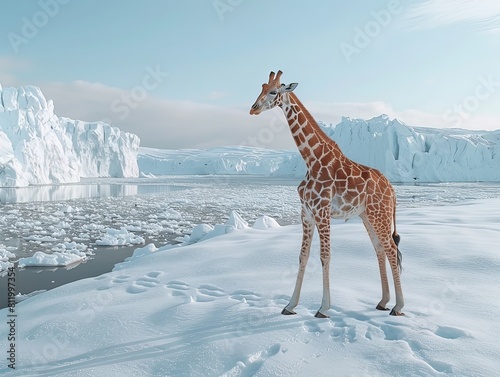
column 184, row 74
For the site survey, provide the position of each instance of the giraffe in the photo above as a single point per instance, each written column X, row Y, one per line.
column 335, row 187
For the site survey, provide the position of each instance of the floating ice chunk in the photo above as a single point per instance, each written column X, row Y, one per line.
column 41, row 259
column 152, row 228
column 170, row 214
column 58, row 233
column 122, row 237
column 265, row 222
column 39, row 238
column 133, row 228
column 71, row 247
column 5, row 265
column 92, row 226
column 5, row 256
column 64, row 225
column 67, row 209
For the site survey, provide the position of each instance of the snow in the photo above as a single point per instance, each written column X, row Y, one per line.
column 265, row 222
column 402, row 153
column 38, row 147
column 212, row 308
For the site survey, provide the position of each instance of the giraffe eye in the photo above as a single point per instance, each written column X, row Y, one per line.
column 273, row 92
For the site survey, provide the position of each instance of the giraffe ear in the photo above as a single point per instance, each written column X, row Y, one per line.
column 289, row 87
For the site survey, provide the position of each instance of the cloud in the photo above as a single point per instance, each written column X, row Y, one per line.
column 333, row 112
column 168, row 124
column 9, row 66
column 479, row 15
column 217, row 95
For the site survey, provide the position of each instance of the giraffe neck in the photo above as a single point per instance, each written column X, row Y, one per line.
column 311, row 140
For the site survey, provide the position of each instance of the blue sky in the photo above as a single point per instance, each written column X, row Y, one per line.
column 183, row 74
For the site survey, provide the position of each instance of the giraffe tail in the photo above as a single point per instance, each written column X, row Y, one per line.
column 396, row 238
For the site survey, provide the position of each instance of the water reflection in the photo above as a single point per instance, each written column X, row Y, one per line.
column 79, row 191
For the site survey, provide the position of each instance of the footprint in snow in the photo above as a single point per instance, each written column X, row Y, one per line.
column 281, row 300
column 250, row 297
column 150, row 280
column 207, row 292
column 204, row 293
column 313, row 326
column 121, row 279
column 451, row 332
column 341, row 330
column 109, row 282
column 253, row 363
column 178, row 285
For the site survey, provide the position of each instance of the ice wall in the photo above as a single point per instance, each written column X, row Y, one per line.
column 409, row 154
column 222, row 160
column 38, row 147
column 403, row 153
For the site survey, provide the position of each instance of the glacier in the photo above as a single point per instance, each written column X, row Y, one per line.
column 403, row 153
column 38, row 147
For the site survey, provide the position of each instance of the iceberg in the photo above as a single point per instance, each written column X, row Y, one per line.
column 38, row 147
column 403, row 153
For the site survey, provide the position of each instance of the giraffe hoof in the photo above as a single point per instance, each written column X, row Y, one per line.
column 380, row 307
column 396, row 314
column 287, row 312
column 321, row 315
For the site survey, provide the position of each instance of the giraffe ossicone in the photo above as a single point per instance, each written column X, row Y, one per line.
column 335, row 187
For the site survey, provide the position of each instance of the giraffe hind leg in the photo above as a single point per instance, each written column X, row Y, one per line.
column 395, row 261
column 381, row 258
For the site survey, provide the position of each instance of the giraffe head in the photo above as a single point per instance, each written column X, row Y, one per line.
column 272, row 94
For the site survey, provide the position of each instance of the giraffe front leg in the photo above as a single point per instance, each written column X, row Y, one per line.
column 324, row 236
column 307, row 233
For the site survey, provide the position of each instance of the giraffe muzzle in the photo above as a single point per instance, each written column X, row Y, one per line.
column 254, row 109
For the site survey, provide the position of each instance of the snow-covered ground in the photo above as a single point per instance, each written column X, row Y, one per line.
column 402, row 153
column 38, row 147
column 212, row 308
